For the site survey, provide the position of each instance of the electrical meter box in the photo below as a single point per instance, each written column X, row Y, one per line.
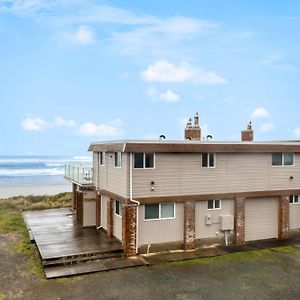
column 226, row 222
column 208, row 219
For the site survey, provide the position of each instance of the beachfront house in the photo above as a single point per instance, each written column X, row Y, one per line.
column 162, row 195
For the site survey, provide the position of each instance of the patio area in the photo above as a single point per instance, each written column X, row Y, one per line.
column 57, row 235
column 67, row 249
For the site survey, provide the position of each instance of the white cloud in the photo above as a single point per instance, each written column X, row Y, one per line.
column 277, row 62
column 183, row 26
column 296, row 131
column 169, row 96
column 100, row 130
column 166, row 96
column 34, row 124
column 266, row 127
column 60, row 122
column 39, row 124
column 164, row 71
column 83, row 35
column 143, row 34
column 21, row 6
column 259, row 112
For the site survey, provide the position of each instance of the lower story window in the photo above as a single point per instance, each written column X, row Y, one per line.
column 213, row 204
column 118, row 208
column 159, row 211
column 294, row 199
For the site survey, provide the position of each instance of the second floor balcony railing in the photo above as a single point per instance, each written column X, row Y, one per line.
column 79, row 173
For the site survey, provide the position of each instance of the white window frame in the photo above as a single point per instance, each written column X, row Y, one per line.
column 159, row 213
column 103, row 155
column 119, row 159
column 214, row 204
column 294, row 203
column 144, row 161
column 120, row 208
column 282, row 160
column 208, row 156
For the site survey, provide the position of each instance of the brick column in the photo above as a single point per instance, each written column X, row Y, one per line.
column 189, row 225
column 110, row 217
column 239, row 220
column 129, row 229
column 98, row 210
column 283, row 217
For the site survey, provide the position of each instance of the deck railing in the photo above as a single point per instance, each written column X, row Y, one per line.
column 79, row 173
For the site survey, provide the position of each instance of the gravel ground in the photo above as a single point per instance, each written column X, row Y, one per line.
column 259, row 274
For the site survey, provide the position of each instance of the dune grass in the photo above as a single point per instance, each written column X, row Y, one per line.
column 36, row 202
column 12, row 223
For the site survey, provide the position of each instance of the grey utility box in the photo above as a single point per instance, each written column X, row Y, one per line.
column 226, row 222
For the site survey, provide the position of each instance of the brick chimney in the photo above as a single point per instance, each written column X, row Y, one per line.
column 248, row 134
column 191, row 132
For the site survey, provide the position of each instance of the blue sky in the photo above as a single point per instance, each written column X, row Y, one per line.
column 75, row 71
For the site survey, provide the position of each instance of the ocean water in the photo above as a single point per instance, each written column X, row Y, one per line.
column 24, row 175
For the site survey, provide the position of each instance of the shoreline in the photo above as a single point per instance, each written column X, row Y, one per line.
column 37, row 189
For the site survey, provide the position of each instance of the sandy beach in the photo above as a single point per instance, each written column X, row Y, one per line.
column 26, row 189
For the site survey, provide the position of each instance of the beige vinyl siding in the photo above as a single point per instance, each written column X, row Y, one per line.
column 89, row 213
column 114, row 179
column 182, row 174
column 160, row 231
column 118, row 226
column 294, row 211
column 95, row 168
column 261, row 218
column 202, row 230
column 102, row 175
column 104, row 200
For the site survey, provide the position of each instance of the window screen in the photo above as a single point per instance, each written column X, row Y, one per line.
column 167, row 210
column 151, row 211
column 288, row 159
column 138, row 160
column 149, row 160
column 276, row 159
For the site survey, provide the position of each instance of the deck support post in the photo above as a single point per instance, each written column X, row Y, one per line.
column 74, row 188
column 110, row 217
column 98, row 209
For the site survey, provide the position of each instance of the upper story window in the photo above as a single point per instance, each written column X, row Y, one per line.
column 283, row 159
column 294, row 199
column 214, row 204
column 208, row 160
column 102, row 158
column 118, row 159
column 143, row 160
column 118, row 208
column 159, row 211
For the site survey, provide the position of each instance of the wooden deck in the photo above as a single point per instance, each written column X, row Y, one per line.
column 65, row 246
column 57, row 235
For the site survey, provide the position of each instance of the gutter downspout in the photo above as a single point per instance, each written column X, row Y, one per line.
column 134, row 201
